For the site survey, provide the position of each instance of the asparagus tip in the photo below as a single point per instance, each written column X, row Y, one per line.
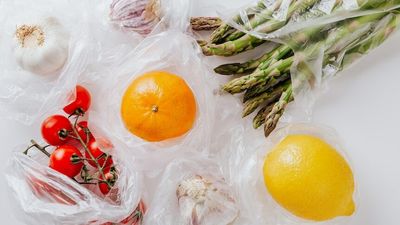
column 227, row 69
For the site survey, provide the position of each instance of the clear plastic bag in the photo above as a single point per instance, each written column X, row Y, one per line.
column 325, row 36
column 25, row 96
column 48, row 197
column 192, row 191
column 257, row 205
column 274, row 19
column 43, row 195
column 170, row 49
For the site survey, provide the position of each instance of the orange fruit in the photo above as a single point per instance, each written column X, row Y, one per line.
column 157, row 106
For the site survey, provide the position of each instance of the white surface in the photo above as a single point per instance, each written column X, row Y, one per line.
column 363, row 105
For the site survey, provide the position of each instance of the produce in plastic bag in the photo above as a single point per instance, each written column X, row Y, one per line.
column 301, row 176
column 143, row 16
column 38, row 37
column 26, row 96
column 319, row 38
column 136, row 15
column 159, row 118
column 192, row 192
column 85, row 182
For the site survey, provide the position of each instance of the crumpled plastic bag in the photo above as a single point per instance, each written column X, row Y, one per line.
column 192, row 191
column 326, row 36
column 256, row 204
column 43, row 196
column 169, row 49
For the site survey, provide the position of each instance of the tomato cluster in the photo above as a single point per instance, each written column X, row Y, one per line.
column 75, row 147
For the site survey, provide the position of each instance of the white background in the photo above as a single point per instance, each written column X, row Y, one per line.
column 363, row 105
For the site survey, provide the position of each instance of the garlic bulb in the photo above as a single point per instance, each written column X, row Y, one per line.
column 205, row 202
column 136, row 15
column 42, row 48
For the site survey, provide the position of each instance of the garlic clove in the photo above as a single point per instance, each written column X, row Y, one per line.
column 42, row 48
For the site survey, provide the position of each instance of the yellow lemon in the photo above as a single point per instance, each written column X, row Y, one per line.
column 309, row 178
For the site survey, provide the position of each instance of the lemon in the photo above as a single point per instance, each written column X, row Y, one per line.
column 309, row 178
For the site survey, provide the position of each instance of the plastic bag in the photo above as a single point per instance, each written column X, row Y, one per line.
column 274, row 19
column 48, row 197
column 170, row 50
column 256, row 204
column 44, row 195
column 192, row 191
column 144, row 16
column 24, row 96
column 325, row 36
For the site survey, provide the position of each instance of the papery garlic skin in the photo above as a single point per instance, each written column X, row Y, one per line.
column 206, row 201
column 140, row 16
column 45, row 50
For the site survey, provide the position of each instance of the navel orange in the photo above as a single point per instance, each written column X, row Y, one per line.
column 157, row 106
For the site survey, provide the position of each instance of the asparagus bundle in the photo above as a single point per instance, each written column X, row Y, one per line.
column 266, row 81
column 227, row 41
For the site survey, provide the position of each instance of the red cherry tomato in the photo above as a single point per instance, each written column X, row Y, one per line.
column 110, row 176
column 81, row 103
column 94, row 148
column 55, row 130
column 61, row 160
column 81, row 127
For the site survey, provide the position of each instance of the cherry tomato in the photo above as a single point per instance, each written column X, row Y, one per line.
column 55, row 130
column 81, row 103
column 62, row 160
column 110, row 176
column 94, row 148
column 81, row 127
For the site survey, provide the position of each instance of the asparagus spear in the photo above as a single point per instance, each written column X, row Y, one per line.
column 262, row 88
column 230, row 48
column 243, row 83
column 266, row 98
column 249, row 66
column 277, row 111
column 259, row 119
column 241, row 68
column 205, row 23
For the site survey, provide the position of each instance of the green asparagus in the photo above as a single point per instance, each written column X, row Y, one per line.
column 262, row 88
column 277, row 111
column 248, row 42
column 205, row 23
column 265, row 98
column 269, row 83
column 249, row 66
column 259, row 119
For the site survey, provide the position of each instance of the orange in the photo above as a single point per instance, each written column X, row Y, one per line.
column 157, row 106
